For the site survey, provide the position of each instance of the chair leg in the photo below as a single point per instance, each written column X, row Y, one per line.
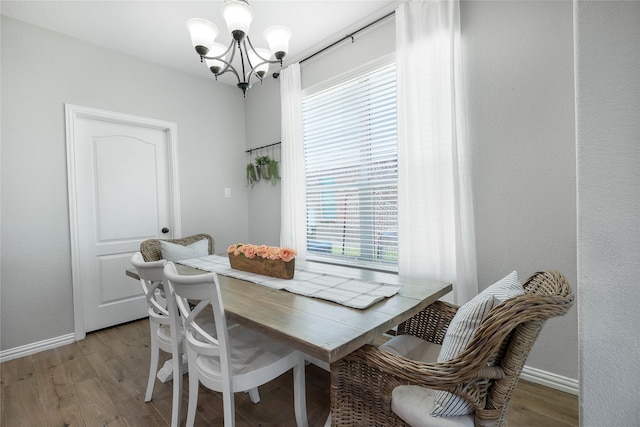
column 153, row 363
column 254, row 394
column 177, row 390
column 299, row 396
column 229, row 408
column 194, row 383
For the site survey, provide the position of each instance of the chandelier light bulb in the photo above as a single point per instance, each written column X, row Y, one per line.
column 238, row 16
column 215, row 65
column 278, row 38
column 203, row 34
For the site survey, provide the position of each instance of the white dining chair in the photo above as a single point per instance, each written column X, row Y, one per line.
column 162, row 336
column 226, row 359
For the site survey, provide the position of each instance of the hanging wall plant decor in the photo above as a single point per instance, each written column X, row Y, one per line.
column 252, row 176
column 274, row 174
column 263, row 167
column 262, row 163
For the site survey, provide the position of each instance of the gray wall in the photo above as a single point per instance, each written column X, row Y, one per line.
column 41, row 71
column 519, row 73
column 262, row 112
column 518, row 66
column 608, row 135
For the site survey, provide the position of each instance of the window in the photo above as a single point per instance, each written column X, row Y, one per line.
column 351, row 168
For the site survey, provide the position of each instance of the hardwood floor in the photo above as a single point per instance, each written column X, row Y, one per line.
column 101, row 381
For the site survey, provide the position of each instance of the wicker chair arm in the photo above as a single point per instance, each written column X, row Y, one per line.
column 435, row 375
column 370, row 374
column 491, row 372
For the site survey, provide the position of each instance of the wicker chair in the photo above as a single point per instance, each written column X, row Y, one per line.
column 485, row 373
column 150, row 249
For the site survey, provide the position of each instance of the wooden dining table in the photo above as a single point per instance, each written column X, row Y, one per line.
column 324, row 330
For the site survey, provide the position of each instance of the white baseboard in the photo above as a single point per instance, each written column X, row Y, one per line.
column 36, row 347
column 548, row 379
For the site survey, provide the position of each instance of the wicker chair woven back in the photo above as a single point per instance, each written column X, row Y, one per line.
column 150, row 249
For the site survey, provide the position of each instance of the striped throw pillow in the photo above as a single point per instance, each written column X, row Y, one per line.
column 460, row 332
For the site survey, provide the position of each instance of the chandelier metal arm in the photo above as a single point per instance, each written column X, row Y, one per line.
column 267, row 60
column 242, row 55
column 244, row 78
column 228, row 67
column 254, row 67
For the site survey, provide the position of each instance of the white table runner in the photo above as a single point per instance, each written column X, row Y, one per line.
column 347, row 291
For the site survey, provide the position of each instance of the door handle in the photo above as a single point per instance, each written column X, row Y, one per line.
column 165, row 230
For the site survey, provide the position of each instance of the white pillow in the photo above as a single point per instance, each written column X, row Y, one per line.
column 460, row 332
column 174, row 252
column 412, row 402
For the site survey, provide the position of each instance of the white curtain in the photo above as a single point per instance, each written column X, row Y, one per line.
column 293, row 204
column 436, row 236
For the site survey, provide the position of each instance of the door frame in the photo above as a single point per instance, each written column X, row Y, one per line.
column 73, row 112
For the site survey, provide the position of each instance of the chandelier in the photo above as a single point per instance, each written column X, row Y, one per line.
column 253, row 61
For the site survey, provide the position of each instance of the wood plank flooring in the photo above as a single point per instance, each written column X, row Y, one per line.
column 101, row 381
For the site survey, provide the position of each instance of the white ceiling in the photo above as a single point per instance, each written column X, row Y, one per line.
column 156, row 31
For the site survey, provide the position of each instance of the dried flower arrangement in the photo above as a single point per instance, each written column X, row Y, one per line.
column 261, row 259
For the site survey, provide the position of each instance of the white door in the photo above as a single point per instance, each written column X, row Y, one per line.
column 122, row 191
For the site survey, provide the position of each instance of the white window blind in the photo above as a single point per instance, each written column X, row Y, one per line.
column 350, row 149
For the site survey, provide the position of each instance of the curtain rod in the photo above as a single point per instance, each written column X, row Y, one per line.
column 348, row 36
column 251, row 150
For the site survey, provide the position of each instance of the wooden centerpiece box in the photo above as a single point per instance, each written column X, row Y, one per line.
column 265, row 260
